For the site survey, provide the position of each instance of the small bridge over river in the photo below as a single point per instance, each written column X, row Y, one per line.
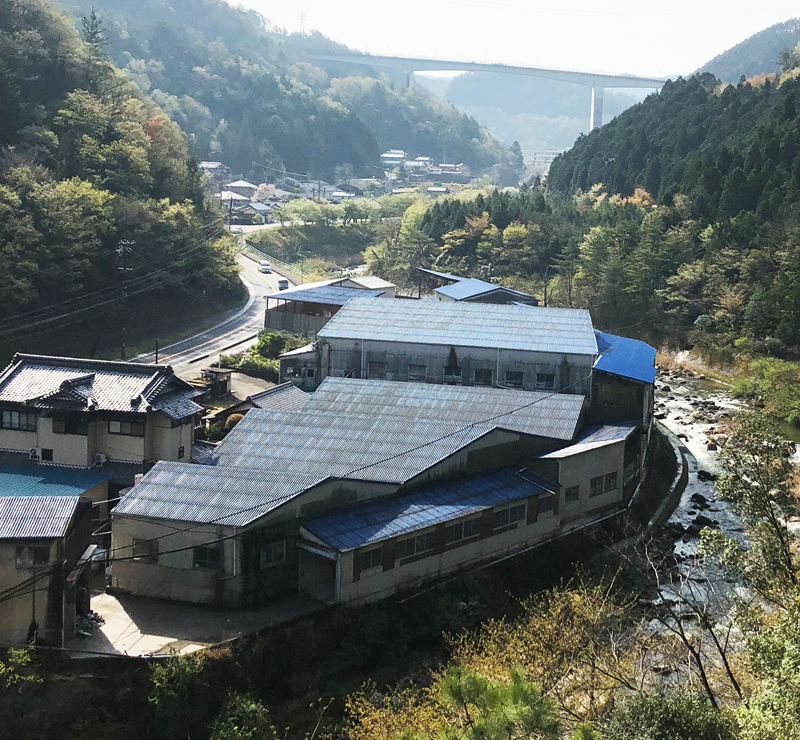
column 597, row 81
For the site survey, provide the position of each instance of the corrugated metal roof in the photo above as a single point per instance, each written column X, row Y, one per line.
column 372, row 282
column 594, row 437
column 442, row 275
column 395, row 516
column 331, row 295
column 331, row 444
column 36, row 517
column 47, row 480
column 304, row 350
column 555, row 416
column 283, row 397
column 629, row 358
column 90, row 385
column 203, row 493
column 472, row 287
column 458, row 324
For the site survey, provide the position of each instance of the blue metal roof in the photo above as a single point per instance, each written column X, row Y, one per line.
column 47, row 480
column 472, row 287
column 398, row 515
column 628, row 358
column 327, row 294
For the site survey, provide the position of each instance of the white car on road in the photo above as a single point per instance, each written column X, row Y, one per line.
column 264, row 266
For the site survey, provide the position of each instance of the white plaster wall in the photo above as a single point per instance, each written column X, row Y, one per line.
column 578, row 470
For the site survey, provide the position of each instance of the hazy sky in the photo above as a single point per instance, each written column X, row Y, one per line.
column 645, row 37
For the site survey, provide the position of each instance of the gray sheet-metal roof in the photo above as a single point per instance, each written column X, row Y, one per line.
column 629, row 358
column 555, row 416
column 36, row 517
column 203, row 493
column 460, row 324
column 283, row 397
column 372, row 282
column 93, row 385
column 441, row 275
column 178, row 404
column 593, row 438
column 47, row 480
column 395, row 516
column 392, row 449
column 472, row 288
column 330, row 295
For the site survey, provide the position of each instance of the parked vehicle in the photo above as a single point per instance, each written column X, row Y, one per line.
column 283, row 284
column 264, row 266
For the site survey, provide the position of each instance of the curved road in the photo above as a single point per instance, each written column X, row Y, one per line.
column 230, row 335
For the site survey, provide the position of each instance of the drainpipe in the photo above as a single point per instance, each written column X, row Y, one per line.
column 337, row 591
column 497, row 373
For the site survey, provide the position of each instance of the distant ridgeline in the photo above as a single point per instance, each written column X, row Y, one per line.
column 239, row 87
column 729, row 149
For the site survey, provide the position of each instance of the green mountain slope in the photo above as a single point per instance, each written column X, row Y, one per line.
column 755, row 55
column 242, row 91
column 98, row 197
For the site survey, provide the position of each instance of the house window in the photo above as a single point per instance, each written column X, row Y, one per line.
column 146, row 551
column 545, row 381
column 610, row 482
column 462, row 531
column 508, row 516
column 32, row 556
column 545, row 504
column 515, row 379
column 376, row 370
column 208, row 557
column 369, row 559
column 70, row 426
column 452, row 376
column 572, row 494
column 273, row 553
column 483, row 377
column 18, row 420
column 418, row 545
column 417, row 373
column 181, row 452
column 129, row 428
column 47, row 454
column 596, row 486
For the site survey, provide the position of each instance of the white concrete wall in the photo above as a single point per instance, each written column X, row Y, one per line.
column 118, row 446
column 164, row 440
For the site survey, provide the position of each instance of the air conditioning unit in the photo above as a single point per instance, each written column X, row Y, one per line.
column 35, row 453
column 99, row 459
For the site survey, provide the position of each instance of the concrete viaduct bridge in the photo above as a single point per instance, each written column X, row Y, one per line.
column 595, row 80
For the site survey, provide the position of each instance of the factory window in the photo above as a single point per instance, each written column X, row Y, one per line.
column 545, row 381
column 596, row 485
column 508, row 516
column 181, row 452
column 452, row 376
column 145, row 551
column 462, row 531
column 515, row 379
column 18, row 420
column 483, row 377
column 610, row 482
column 545, row 504
column 273, row 553
column 47, row 454
column 32, row 556
column 129, row 428
column 376, row 370
column 418, row 545
column 70, row 426
column 369, row 559
column 416, row 373
column 572, row 494
column 208, row 557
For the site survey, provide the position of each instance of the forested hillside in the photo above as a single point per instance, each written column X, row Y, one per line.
column 98, row 197
column 242, row 91
column 755, row 55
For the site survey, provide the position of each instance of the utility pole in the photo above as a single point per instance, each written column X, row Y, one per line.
column 230, row 214
column 156, row 351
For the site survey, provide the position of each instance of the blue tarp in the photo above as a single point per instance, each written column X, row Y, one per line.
column 628, row 358
column 47, row 480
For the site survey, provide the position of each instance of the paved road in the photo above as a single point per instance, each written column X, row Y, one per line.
column 233, row 334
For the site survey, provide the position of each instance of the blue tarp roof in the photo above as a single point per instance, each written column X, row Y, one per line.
column 47, row 480
column 397, row 515
column 326, row 294
column 629, row 358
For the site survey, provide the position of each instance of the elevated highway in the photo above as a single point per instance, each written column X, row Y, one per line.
column 597, row 81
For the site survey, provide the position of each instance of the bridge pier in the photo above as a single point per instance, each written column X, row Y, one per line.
column 596, row 116
column 409, row 77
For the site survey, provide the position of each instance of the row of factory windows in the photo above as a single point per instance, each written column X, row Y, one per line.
column 454, row 376
column 454, row 534
column 209, row 557
column 23, row 421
